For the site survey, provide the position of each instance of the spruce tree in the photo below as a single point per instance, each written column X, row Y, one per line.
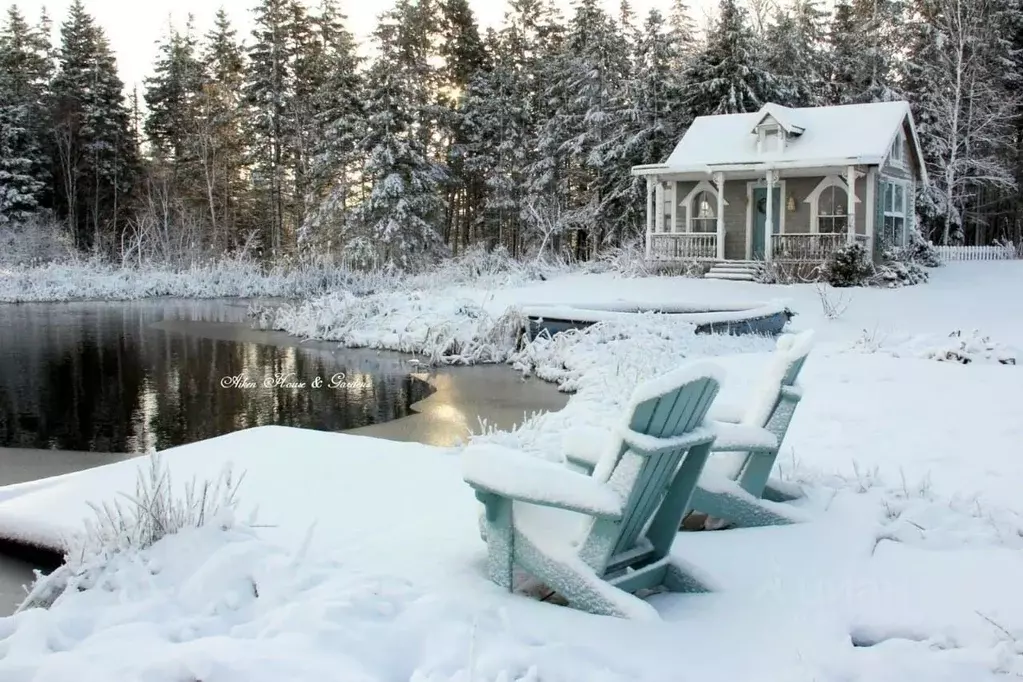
column 400, row 215
column 496, row 121
column 220, row 140
column 464, row 57
column 268, row 89
column 339, row 122
column 728, row 76
column 25, row 71
column 171, row 96
column 96, row 160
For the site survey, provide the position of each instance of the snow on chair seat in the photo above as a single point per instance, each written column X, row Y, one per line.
column 597, row 538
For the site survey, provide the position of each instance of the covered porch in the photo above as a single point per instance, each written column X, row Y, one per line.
column 750, row 212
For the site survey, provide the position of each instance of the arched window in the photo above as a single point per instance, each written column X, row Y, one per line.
column 704, row 208
column 701, row 205
column 831, row 210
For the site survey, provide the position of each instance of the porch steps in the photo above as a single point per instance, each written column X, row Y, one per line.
column 735, row 270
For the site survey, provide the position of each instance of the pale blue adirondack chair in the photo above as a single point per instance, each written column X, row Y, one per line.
column 750, row 437
column 746, row 447
column 597, row 538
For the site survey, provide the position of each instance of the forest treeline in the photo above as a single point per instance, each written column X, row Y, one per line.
column 288, row 142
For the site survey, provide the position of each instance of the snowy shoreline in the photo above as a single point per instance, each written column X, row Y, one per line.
column 903, row 504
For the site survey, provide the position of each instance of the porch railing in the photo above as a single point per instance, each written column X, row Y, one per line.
column 684, row 246
column 810, row 247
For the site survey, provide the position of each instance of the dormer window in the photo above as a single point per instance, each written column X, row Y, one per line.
column 899, row 150
column 771, row 138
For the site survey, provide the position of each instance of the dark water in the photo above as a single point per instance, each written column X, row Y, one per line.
column 126, row 376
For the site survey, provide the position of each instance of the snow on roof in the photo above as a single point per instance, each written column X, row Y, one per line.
column 787, row 118
column 856, row 133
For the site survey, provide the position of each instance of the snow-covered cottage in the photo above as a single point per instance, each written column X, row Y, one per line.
column 774, row 185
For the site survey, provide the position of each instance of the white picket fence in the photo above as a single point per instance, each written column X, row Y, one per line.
column 950, row 253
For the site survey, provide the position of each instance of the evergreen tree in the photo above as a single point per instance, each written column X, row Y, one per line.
column 25, row 71
column 728, row 76
column 96, row 160
column 171, row 96
column 220, row 141
column 496, row 122
column 339, row 123
column 533, row 38
column 794, row 56
column 401, row 212
column 863, row 41
column 464, row 57
column 269, row 89
column 593, row 118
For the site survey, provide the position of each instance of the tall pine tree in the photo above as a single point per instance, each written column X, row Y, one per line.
column 728, row 76
column 401, row 213
column 25, row 72
column 96, row 164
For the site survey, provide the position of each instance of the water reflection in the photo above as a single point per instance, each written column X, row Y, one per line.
column 99, row 377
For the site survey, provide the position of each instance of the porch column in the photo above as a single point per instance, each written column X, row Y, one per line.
column 769, row 224
column 650, row 210
column 674, row 205
column 658, row 205
column 719, row 182
column 850, row 181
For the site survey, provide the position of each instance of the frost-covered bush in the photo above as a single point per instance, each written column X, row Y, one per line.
column 34, row 242
column 627, row 260
column 896, row 273
column 443, row 329
column 932, row 209
column 918, row 250
column 136, row 522
column 847, row 266
column 959, row 347
column 970, row 347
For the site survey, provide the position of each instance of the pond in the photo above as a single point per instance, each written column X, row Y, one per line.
column 128, row 376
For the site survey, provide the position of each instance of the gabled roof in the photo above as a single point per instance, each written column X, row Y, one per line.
column 854, row 134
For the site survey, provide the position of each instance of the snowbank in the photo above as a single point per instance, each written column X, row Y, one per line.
column 366, row 563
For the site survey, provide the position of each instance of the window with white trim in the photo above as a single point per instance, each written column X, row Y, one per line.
column 704, row 216
column 893, row 230
column 899, row 150
column 831, row 210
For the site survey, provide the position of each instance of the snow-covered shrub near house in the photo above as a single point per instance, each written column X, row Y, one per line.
column 847, row 266
column 918, row 250
column 895, row 273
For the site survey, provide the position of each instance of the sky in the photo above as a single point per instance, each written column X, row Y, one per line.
column 134, row 26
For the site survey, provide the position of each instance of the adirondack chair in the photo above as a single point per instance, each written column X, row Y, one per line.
column 597, row 538
column 746, row 446
column 738, row 476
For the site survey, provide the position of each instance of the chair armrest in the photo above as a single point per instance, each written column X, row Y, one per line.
column 645, row 444
column 730, row 413
column 513, row 475
column 742, row 438
column 584, row 446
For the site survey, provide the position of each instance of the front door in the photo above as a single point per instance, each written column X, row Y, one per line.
column 760, row 217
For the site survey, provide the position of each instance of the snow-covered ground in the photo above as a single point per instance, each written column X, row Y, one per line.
column 365, row 562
